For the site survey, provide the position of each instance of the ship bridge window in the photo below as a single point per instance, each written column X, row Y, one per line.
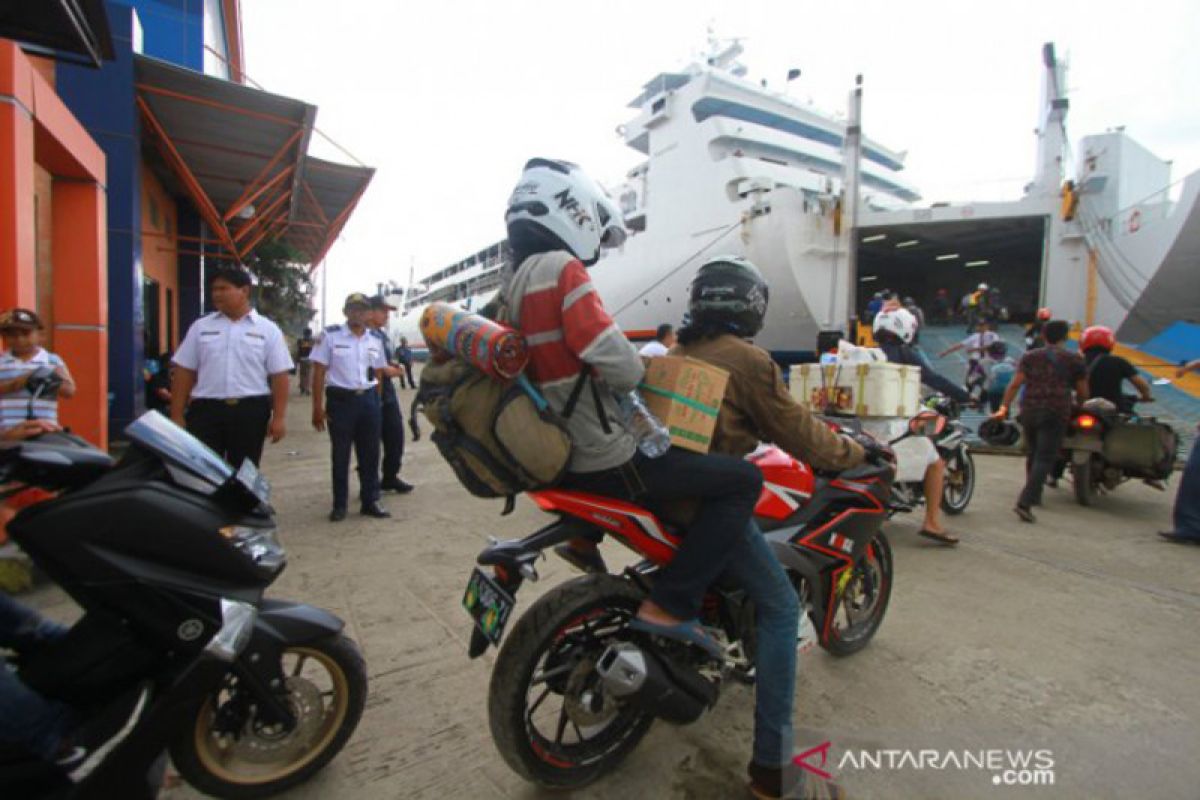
column 658, row 105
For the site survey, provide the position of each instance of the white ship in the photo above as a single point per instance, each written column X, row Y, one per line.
column 719, row 150
column 734, row 168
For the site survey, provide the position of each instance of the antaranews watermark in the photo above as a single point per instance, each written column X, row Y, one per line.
column 1008, row 767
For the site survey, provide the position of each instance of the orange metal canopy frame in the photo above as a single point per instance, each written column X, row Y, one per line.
column 240, row 154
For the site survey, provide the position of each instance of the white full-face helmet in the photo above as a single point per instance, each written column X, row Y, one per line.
column 900, row 322
column 560, row 199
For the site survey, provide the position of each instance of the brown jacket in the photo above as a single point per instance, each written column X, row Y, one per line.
column 757, row 407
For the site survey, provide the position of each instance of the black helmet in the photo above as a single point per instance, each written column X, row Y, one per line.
column 729, row 291
column 999, row 432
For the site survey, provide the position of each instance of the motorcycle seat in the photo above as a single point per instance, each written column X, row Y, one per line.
column 54, row 461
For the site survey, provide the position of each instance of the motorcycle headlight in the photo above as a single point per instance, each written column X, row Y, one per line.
column 260, row 545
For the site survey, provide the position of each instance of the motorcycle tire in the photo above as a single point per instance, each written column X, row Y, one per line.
column 262, row 763
column 960, row 482
column 876, row 565
column 1083, row 474
column 544, row 636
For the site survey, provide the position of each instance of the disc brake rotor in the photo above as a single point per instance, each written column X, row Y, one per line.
column 263, row 745
column 585, row 700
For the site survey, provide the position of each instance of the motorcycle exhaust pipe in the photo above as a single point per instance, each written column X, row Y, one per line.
column 651, row 683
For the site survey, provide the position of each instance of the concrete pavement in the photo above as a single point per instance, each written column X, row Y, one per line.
column 1077, row 635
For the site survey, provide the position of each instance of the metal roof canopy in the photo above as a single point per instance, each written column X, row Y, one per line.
column 329, row 193
column 239, row 154
column 69, row 26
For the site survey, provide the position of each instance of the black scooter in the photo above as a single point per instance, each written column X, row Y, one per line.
column 169, row 553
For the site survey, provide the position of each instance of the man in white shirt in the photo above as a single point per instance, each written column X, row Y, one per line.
column 664, row 340
column 233, row 366
column 345, row 361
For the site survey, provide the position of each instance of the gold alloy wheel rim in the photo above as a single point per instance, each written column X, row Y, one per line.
column 213, row 756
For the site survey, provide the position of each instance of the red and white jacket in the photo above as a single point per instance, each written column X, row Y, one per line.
column 551, row 300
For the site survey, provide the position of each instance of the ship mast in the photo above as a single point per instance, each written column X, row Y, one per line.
column 851, row 164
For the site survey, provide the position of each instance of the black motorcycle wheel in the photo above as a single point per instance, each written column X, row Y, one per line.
column 860, row 606
column 327, row 683
column 582, row 733
column 1084, row 476
column 960, row 482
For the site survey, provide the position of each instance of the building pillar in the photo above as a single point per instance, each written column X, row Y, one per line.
column 81, row 303
column 191, row 286
column 18, row 273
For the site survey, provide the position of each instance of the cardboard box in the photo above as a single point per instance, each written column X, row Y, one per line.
column 865, row 390
column 685, row 394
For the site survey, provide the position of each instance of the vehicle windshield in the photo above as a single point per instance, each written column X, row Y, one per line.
column 161, row 436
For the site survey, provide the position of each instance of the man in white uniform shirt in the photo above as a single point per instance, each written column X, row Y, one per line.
column 664, row 340
column 345, row 360
column 233, row 366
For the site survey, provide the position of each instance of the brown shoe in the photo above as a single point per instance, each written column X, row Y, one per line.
column 791, row 782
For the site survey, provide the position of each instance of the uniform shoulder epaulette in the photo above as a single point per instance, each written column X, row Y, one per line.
column 378, row 334
column 332, row 328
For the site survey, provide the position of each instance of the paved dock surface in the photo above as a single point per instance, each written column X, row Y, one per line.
column 1078, row 635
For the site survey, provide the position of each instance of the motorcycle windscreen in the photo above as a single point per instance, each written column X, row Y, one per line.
column 164, row 438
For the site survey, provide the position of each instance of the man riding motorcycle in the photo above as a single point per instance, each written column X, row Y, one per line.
column 1107, row 372
column 726, row 306
column 894, row 331
column 558, row 220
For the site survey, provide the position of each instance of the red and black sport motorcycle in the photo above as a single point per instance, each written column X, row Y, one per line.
column 574, row 689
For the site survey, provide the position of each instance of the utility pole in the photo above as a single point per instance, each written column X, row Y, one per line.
column 324, row 290
column 852, row 164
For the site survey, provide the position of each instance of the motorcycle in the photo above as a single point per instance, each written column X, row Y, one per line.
column 610, row 683
column 950, row 439
column 169, row 552
column 1106, row 447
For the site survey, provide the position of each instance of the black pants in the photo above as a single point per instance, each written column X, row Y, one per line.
column 727, row 489
column 354, row 420
column 234, row 430
column 407, row 371
column 1044, row 432
column 392, row 428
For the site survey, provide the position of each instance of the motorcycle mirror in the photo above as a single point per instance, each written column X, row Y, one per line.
column 927, row 423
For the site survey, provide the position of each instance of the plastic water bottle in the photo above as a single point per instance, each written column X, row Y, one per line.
column 652, row 436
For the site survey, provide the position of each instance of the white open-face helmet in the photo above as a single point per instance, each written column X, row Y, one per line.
column 983, row 287
column 899, row 322
column 560, row 199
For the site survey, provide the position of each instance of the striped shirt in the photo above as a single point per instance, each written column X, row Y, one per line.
column 552, row 302
column 14, row 406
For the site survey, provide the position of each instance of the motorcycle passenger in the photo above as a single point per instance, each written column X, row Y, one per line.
column 1107, row 373
column 728, row 298
column 1000, row 368
column 894, row 330
column 558, row 220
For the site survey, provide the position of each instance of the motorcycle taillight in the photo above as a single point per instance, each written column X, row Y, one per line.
column 1086, row 422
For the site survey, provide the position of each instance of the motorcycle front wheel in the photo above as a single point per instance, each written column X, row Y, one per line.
column 960, row 482
column 327, row 689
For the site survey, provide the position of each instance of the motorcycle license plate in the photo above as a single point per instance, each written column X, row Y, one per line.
column 488, row 604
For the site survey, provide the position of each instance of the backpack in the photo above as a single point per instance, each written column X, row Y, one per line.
column 500, row 437
column 1001, row 375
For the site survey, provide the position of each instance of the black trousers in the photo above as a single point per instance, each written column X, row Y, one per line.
column 1044, row 431
column 407, row 371
column 234, row 430
column 354, row 422
column 727, row 489
column 392, row 428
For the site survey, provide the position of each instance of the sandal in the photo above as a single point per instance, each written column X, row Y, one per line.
column 689, row 632
column 941, row 538
column 585, row 561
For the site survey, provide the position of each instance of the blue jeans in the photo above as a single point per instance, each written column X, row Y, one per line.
column 27, row 718
column 1187, row 499
column 777, row 616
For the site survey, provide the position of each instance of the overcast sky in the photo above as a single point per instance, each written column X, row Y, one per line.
column 447, row 99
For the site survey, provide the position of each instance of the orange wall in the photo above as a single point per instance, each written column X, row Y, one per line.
column 160, row 245
column 44, row 263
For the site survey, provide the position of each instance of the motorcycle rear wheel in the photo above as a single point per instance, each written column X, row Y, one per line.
column 327, row 699
column 864, row 600
column 960, row 482
column 552, row 651
column 1085, row 476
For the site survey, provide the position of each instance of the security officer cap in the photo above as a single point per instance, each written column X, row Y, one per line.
column 380, row 302
column 358, row 299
